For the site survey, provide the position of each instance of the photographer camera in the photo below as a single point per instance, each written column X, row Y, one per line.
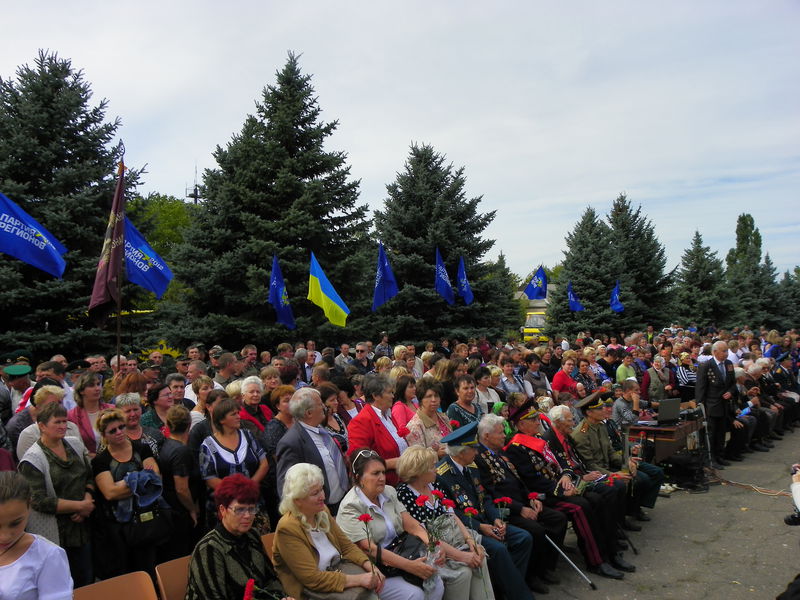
column 792, row 591
column 794, row 518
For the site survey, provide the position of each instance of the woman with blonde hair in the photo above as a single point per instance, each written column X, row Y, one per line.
column 465, row 569
column 313, row 557
column 383, row 364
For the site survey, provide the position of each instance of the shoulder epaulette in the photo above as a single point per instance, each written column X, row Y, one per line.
column 443, row 468
column 584, row 426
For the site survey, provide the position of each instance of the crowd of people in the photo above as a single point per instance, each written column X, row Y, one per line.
column 382, row 473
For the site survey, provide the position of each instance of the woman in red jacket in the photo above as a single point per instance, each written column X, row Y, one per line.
column 374, row 426
column 252, row 409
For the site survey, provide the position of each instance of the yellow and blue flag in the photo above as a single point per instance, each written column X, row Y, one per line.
column 321, row 293
column 278, row 296
column 22, row 237
column 143, row 266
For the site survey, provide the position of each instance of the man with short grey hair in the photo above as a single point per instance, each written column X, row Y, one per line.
column 500, row 480
column 306, row 441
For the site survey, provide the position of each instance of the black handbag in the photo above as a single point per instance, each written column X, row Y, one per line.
column 151, row 526
column 408, row 546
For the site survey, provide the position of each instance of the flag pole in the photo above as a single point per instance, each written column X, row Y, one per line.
column 120, row 266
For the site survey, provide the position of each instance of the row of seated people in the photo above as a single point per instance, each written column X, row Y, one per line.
column 538, row 478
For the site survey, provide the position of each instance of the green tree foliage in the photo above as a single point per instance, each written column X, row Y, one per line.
column 700, row 290
column 161, row 219
column 57, row 162
column 774, row 305
column 275, row 190
column 638, row 261
column 789, row 290
column 427, row 207
column 585, row 264
column 744, row 274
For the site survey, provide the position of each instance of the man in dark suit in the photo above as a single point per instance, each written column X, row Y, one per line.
column 716, row 390
column 307, row 442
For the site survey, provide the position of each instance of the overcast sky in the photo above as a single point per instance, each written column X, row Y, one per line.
column 691, row 108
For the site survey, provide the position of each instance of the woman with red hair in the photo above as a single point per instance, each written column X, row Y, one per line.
column 231, row 554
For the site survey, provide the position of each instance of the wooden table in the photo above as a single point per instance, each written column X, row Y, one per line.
column 667, row 439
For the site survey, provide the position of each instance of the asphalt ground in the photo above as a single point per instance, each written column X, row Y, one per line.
column 728, row 543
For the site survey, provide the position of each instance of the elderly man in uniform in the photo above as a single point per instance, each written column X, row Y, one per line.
column 594, row 445
column 508, row 547
column 500, row 478
column 560, row 488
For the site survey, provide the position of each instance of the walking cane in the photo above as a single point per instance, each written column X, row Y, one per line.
column 627, row 539
column 572, row 564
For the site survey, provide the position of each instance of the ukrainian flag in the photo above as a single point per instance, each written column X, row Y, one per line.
column 321, row 293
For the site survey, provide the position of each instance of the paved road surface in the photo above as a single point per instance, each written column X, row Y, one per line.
column 729, row 543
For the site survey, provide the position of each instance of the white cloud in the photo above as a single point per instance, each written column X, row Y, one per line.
column 690, row 108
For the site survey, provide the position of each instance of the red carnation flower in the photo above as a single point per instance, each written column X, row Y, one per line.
column 365, row 518
column 402, row 431
column 438, row 494
column 447, row 503
column 533, row 496
column 472, row 512
column 454, row 423
column 421, row 500
column 249, row 588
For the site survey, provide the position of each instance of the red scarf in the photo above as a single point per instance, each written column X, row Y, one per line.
column 536, row 444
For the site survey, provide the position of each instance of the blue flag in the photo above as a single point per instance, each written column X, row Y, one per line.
column 442, row 281
column 615, row 304
column 537, row 288
column 385, row 283
column 278, row 296
column 574, row 301
column 143, row 266
column 463, row 284
column 23, row 238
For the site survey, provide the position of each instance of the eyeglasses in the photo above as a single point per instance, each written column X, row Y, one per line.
column 360, row 351
column 367, row 453
column 114, row 430
column 240, row 511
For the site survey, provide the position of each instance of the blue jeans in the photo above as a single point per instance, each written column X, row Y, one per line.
column 508, row 563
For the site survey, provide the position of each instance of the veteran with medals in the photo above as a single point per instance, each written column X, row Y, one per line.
column 508, row 547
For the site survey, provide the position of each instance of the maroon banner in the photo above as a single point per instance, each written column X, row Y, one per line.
column 105, row 293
